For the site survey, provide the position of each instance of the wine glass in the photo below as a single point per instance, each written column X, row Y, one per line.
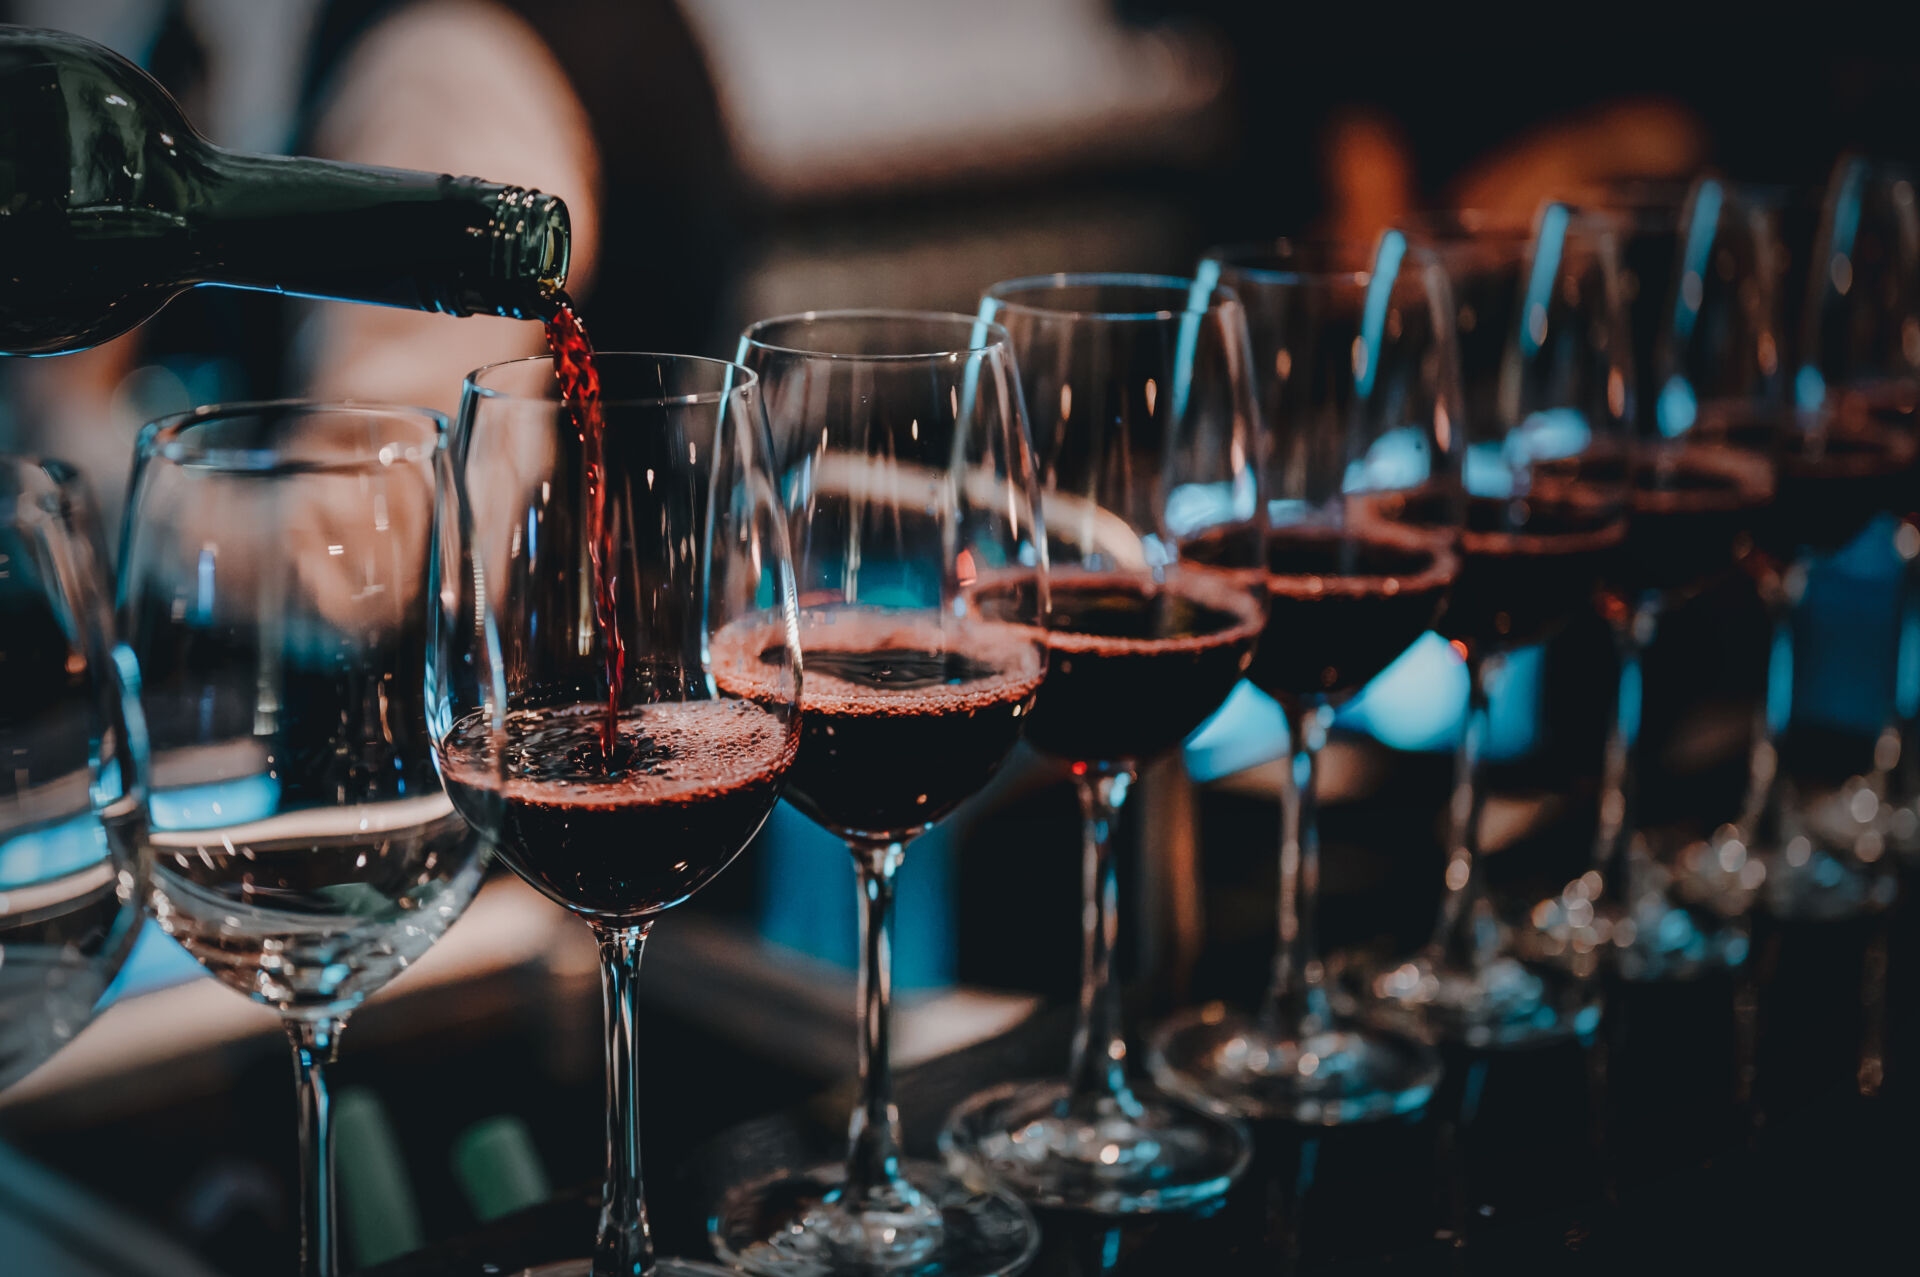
column 274, row 585
column 1360, row 407
column 1860, row 355
column 908, row 478
column 1697, row 500
column 605, row 545
column 1730, row 378
column 73, row 794
column 1545, row 473
column 1146, row 434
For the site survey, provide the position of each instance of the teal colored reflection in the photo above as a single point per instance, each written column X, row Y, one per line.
column 156, row 962
column 1674, row 411
column 807, row 904
column 1842, row 668
column 1398, row 459
column 1418, row 704
column 225, row 802
column 51, row 851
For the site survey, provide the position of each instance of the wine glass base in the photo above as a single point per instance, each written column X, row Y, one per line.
column 661, row 1268
column 1147, row 1154
column 1344, row 1075
column 793, row 1225
column 1505, row 1003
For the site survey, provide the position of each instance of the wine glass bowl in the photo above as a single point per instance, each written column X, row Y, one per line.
column 599, row 535
column 1146, row 450
column 73, row 796
column 907, row 477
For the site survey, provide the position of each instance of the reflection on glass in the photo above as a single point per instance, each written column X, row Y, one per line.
column 73, row 780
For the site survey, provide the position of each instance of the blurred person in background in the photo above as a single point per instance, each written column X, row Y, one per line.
column 458, row 86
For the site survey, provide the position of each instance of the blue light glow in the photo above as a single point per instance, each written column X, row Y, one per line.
column 1418, row 702
column 1546, row 265
column 1706, row 220
column 1676, row 408
column 214, row 805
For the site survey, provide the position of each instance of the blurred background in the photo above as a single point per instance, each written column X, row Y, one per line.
column 727, row 160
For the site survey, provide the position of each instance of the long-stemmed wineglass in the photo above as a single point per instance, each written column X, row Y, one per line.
column 1545, row 472
column 1727, row 380
column 1146, row 434
column 1859, row 353
column 907, row 473
column 1360, row 404
column 1697, row 503
column 656, row 518
column 274, row 585
column 73, row 791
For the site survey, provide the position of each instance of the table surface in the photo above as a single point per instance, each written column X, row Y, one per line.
column 1634, row 1150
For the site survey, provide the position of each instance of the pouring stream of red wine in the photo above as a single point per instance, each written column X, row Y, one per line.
column 580, row 391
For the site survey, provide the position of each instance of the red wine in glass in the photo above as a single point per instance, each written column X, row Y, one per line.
column 885, row 693
column 1133, row 664
column 1526, row 568
column 580, row 390
column 688, row 784
column 1341, row 606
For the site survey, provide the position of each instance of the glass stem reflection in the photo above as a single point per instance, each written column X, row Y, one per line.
column 1613, row 844
column 313, row 1043
column 1296, row 1005
column 1468, row 936
column 873, row 1136
column 1778, row 593
column 1097, row 1076
column 622, row 1247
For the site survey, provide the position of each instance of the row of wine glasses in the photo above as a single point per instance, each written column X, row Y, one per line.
column 372, row 645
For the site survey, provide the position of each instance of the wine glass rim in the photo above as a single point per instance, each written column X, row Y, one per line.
column 1237, row 259
column 994, row 333
column 162, row 431
column 999, row 293
column 744, row 378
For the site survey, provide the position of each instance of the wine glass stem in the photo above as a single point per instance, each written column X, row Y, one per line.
column 1296, row 1004
column 1613, row 843
column 1777, row 594
column 1464, row 940
column 873, row 1136
column 622, row 1247
column 1097, row 1076
column 313, row 1042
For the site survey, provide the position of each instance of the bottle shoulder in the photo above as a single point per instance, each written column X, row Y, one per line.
column 90, row 133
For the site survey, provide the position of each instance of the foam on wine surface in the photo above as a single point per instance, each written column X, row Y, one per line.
column 903, row 714
column 689, row 783
column 1133, row 663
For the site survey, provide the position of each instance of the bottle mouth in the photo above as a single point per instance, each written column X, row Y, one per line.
column 531, row 236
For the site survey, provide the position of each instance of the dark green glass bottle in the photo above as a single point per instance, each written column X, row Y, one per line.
column 111, row 203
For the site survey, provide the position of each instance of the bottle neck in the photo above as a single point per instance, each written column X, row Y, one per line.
column 318, row 228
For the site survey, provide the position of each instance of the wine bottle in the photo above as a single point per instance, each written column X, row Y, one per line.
column 111, row 204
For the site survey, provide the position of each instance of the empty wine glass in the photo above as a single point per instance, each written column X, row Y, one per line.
column 605, row 543
column 274, row 582
column 1545, row 471
column 1360, row 407
column 1146, row 435
column 73, row 792
column 908, row 479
